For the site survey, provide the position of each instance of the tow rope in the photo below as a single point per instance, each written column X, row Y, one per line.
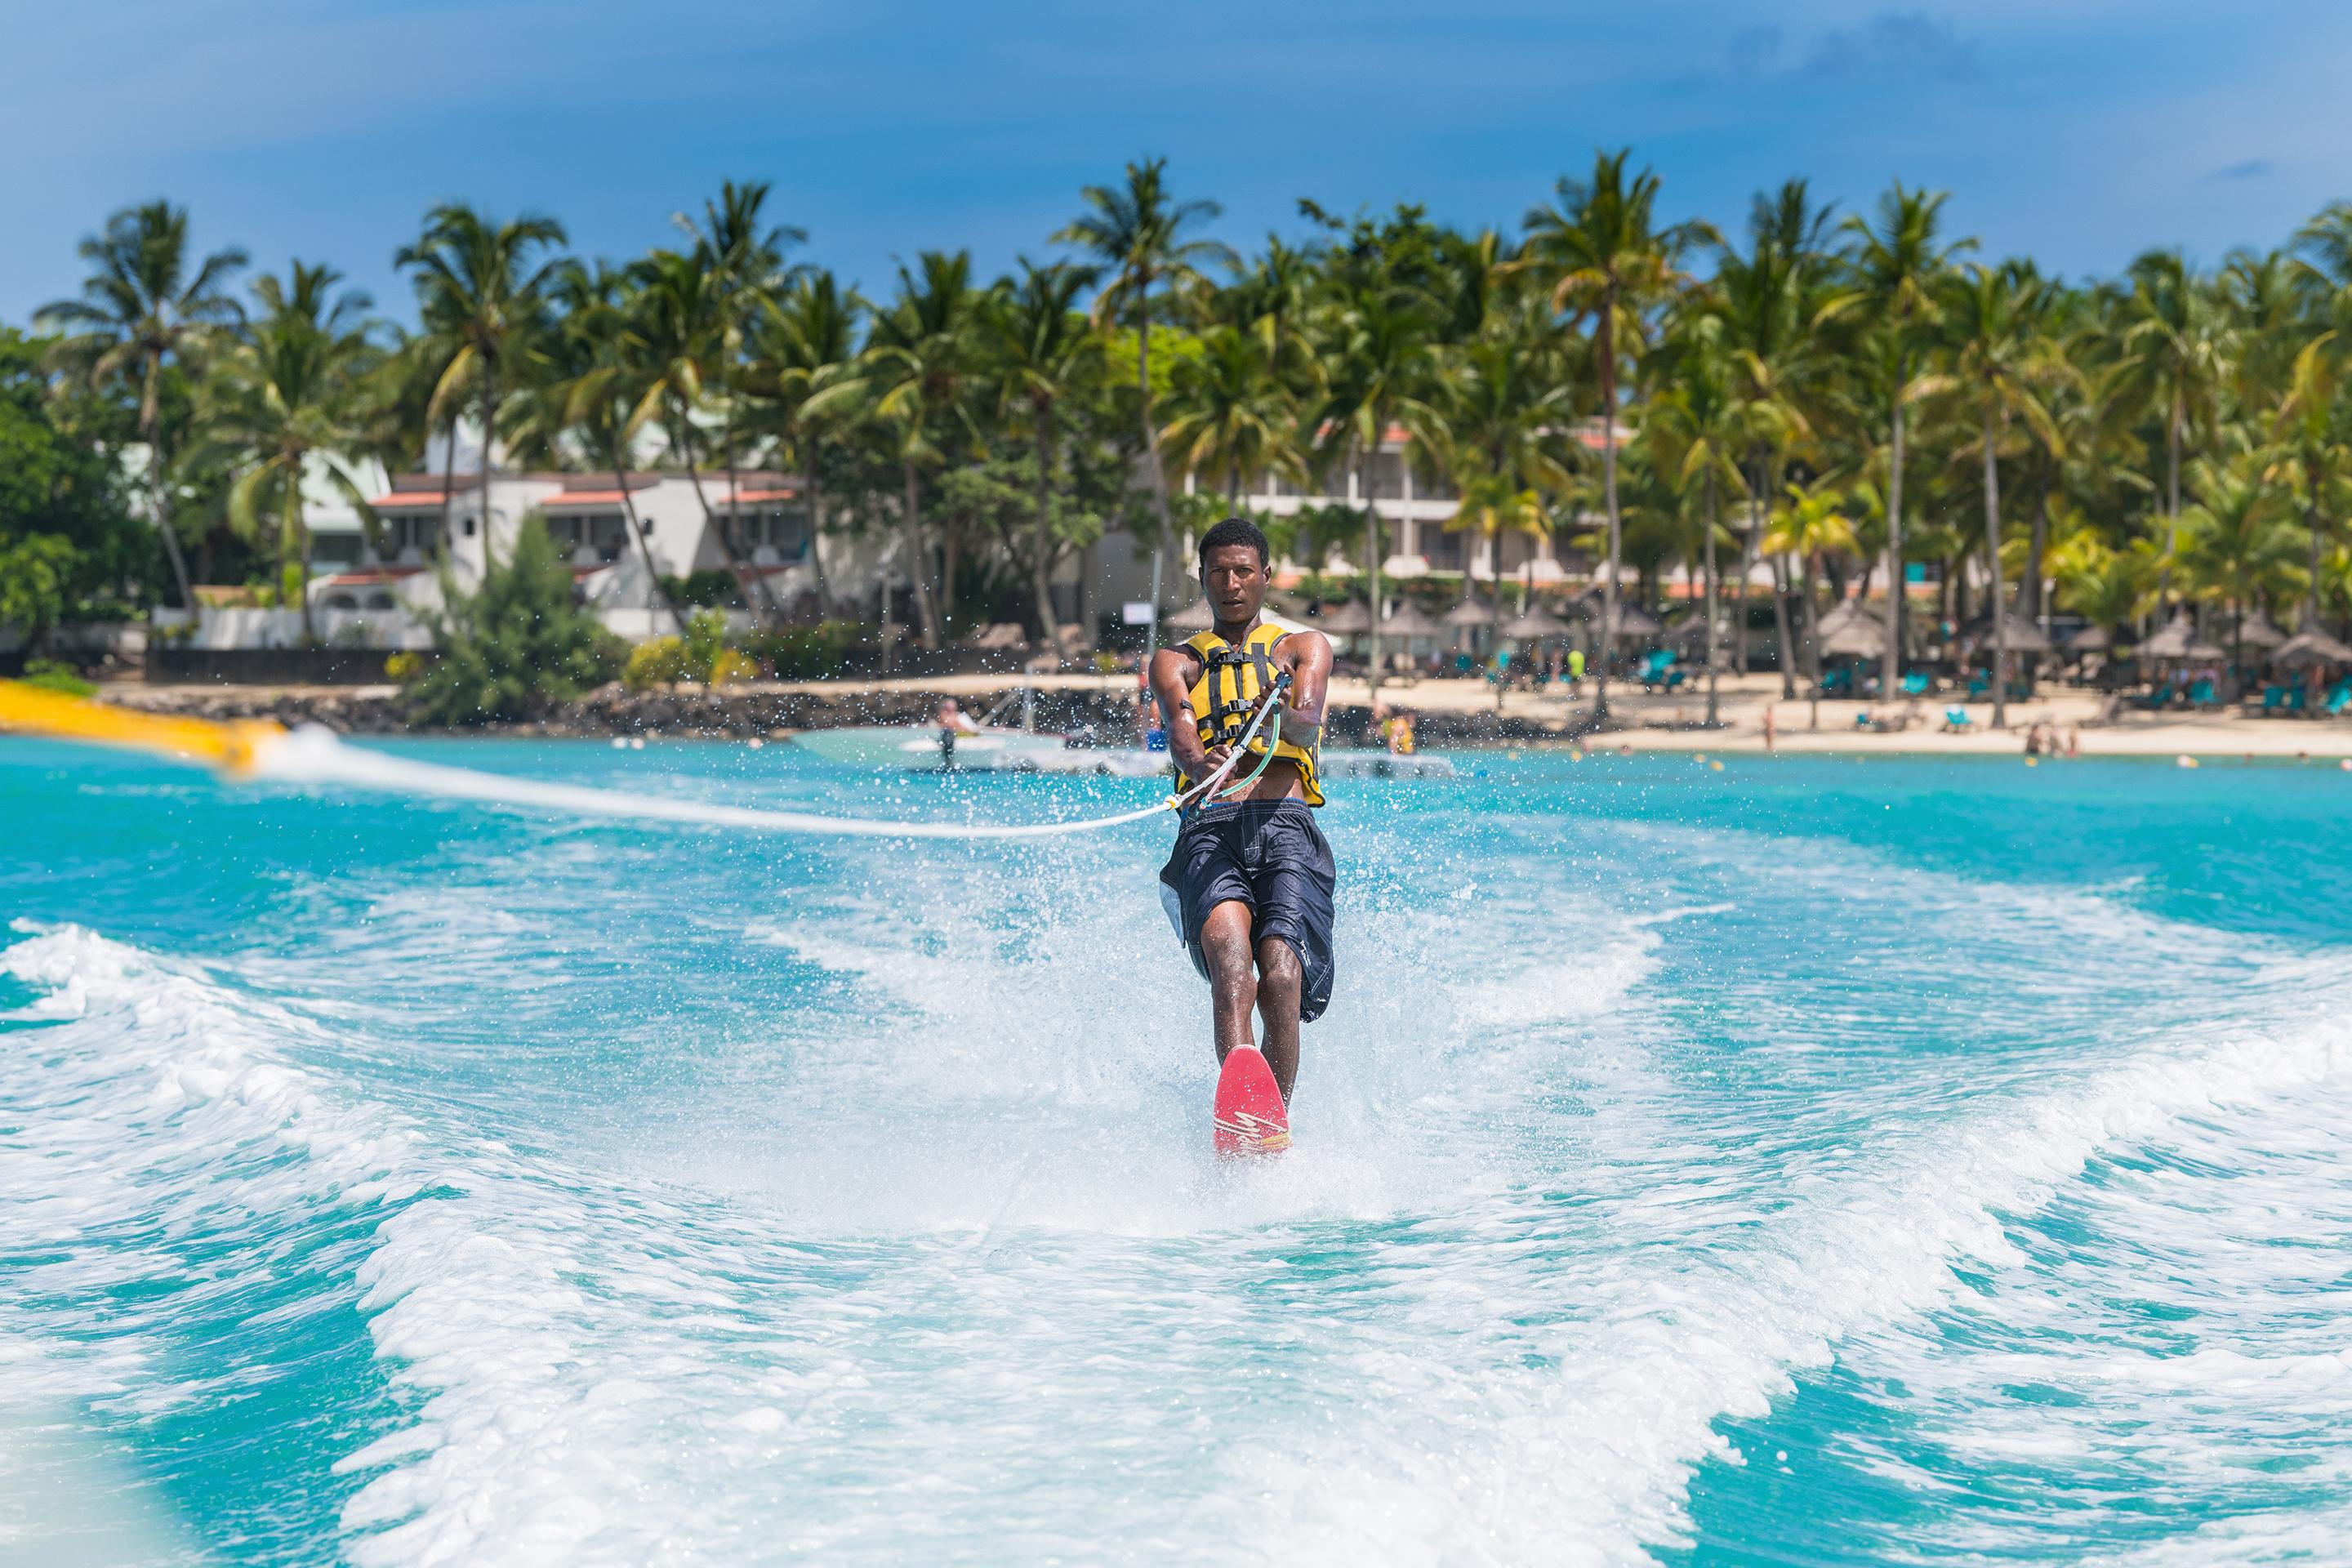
column 312, row 755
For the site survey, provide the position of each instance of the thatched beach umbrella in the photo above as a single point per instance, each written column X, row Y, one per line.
column 2177, row 640
column 2311, row 646
column 1349, row 620
column 2257, row 631
column 1631, row 622
column 1195, row 616
column 1470, row 615
column 1411, row 623
column 1536, row 624
column 1846, row 612
column 1859, row 636
column 2021, row 635
column 2090, row 640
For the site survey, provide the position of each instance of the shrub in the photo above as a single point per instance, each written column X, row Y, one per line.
column 515, row 646
column 731, row 666
column 54, row 675
column 705, row 590
column 805, row 653
column 705, row 640
column 657, row 662
column 403, row 668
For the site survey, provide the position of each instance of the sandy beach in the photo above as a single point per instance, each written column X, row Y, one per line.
column 1669, row 722
column 1645, row 723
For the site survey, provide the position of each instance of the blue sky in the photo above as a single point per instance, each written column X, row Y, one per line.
column 2078, row 133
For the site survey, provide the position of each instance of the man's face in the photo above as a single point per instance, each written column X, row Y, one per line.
column 1234, row 580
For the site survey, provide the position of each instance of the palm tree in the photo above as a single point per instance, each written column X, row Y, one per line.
column 140, row 308
column 677, row 335
column 284, row 404
column 2000, row 363
column 2177, row 350
column 1379, row 373
column 1136, row 231
column 1506, row 446
column 803, row 341
column 918, row 377
column 1043, row 353
column 1771, row 301
column 1602, row 256
column 1894, row 274
column 1229, row 414
column 595, row 392
column 482, row 301
column 745, row 258
column 1809, row 527
column 1700, row 430
column 2236, row 543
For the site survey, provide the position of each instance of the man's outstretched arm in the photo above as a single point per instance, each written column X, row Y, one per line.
column 1172, row 676
column 1310, row 681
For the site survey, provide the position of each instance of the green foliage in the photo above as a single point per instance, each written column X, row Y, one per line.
column 657, row 661
column 705, row 640
column 515, row 646
column 36, row 573
column 705, row 590
column 54, row 675
column 805, row 653
column 66, row 531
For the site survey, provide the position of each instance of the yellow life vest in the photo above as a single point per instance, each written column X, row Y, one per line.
column 1233, row 679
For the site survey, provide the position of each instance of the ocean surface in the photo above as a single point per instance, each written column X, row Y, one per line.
column 1811, row 1161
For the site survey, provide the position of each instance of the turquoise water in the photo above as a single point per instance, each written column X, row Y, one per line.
column 1816, row 1162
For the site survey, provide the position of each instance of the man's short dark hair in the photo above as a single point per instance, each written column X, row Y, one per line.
column 1236, row 531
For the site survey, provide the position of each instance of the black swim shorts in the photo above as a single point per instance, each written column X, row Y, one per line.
column 1269, row 855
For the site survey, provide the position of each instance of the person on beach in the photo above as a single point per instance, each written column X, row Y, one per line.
column 1248, row 884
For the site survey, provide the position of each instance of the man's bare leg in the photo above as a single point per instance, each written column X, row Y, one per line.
column 1232, row 977
column 1281, row 981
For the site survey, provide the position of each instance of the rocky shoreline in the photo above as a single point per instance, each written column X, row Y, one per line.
column 761, row 709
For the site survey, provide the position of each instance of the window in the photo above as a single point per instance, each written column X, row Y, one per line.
column 334, row 549
column 602, row 535
column 410, row 537
column 783, row 530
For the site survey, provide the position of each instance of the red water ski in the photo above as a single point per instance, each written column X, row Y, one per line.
column 1249, row 1113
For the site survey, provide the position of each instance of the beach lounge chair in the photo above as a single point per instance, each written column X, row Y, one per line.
column 1915, row 684
column 1957, row 721
column 2339, row 697
column 2202, row 695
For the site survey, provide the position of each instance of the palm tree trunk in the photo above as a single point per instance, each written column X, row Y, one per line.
column 816, row 544
column 1812, row 638
column 1747, row 558
column 449, row 488
column 151, row 422
column 2312, row 519
column 2038, row 604
column 1891, row 672
column 1788, row 652
column 1714, row 596
column 2172, row 507
column 1151, row 453
column 1041, row 576
column 710, row 520
column 1992, row 556
column 911, row 523
column 758, row 597
column 1606, row 342
column 1372, row 554
column 655, row 587
column 297, row 539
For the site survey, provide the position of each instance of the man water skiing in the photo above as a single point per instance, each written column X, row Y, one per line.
column 1248, row 886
